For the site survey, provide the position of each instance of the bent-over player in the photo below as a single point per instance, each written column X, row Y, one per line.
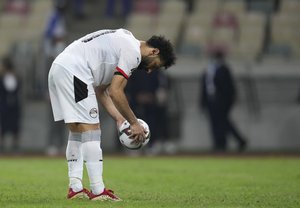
column 97, row 67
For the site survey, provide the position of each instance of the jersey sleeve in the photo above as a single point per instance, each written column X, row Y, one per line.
column 129, row 60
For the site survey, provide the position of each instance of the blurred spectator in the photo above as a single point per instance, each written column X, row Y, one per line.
column 111, row 5
column 148, row 98
column 54, row 37
column 54, row 44
column 217, row 98
column 10, row 106
column 55, row 31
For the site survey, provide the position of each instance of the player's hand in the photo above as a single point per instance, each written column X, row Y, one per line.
column 138, row 133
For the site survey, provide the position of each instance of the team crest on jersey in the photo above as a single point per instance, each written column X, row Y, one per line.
column 94, row 112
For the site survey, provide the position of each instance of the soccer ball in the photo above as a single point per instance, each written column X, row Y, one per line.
column 124, row 132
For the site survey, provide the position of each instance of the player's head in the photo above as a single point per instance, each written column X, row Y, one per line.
column 159, row 53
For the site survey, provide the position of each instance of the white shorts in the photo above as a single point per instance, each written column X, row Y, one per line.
column 72, row 100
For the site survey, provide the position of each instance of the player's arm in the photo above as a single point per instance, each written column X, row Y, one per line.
column 116, row 92
column 106, row 102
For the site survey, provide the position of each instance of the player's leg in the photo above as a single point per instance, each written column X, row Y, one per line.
column 75, row 166
column 89, row 128
column 61, row 91
column 90, row 135
column 79, row 109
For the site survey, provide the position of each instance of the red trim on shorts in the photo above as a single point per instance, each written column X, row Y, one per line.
column 124, row 74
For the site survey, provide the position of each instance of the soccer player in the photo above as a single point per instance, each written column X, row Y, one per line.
column 97, row 67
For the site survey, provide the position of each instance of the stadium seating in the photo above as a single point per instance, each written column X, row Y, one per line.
column 172, row 7
column 214, row 24
column 167, row 22
column 37, row 20
column 247, row 36
column 198, row 26
column 146, row 7
column 41, row 7
column 285, row 30
column 207, row 7
column 16, row 27
column 251, row 37
column 224, row 30
column 170, row 20
column 10, row 29
column 1, row 7
column 238, row 8
column 290, row 6
column 141, row 25
column 196, row 34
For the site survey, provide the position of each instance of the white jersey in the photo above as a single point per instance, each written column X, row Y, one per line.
column 94, row 57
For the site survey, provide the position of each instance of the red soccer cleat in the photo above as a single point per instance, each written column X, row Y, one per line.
column 106, row 195
column 83, row 194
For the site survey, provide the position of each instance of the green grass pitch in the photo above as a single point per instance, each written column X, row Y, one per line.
column 158, row 182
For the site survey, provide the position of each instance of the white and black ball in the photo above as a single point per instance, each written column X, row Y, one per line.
column 124, row 133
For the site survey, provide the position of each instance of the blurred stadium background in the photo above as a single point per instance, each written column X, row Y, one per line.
column 262, row 40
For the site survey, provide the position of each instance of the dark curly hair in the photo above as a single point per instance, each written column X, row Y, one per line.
column 166, row 50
